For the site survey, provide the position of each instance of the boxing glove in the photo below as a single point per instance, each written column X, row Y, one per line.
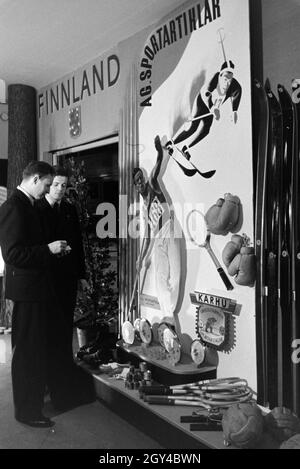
column 247, row 269
column 232, row 249
column 225, row 216
column 240, row 261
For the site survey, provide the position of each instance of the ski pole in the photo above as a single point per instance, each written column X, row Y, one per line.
column 200, row 117
column 222, row 43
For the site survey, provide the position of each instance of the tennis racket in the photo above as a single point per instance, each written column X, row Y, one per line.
column 200, row 235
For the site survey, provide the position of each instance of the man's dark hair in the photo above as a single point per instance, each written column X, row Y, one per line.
column 135, row 171
column 41, row 168
column 60, row 171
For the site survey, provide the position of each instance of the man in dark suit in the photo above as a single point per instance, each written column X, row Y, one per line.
column 69, row 384
column 27, row 259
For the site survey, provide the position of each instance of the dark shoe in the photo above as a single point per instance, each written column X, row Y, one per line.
column 87, row 351
column 97, row 358
column 40, row 422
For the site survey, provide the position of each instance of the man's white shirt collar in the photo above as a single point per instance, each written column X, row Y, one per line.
column 27, row 194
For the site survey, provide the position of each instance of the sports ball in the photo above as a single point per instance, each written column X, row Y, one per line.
column 282, row 423
column 243, row 425
column 291, row 443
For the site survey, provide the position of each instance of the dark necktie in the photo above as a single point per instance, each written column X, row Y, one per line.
column 55, row 208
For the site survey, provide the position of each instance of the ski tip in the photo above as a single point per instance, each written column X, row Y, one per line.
column 280, row 88
column 208, row 174
column 268, row 86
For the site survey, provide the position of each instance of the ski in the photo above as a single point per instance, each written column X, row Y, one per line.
column 295, row 335
column 272, row 242
column 261, row 122
column 286, row 302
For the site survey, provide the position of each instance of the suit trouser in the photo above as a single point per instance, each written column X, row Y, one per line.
column 65, row 288
column 67, row 382
column 29, row 322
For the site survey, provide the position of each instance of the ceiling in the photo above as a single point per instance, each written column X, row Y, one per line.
column 43, row 40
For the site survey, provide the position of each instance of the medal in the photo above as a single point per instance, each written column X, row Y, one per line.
column 145, row 331
column 197, row 352
column 128, row 332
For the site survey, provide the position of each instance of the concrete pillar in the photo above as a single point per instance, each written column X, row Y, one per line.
column 22, row 135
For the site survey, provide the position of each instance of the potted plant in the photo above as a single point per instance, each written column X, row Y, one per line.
column 96, row 309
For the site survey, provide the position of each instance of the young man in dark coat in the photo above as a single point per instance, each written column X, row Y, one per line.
column 69, row 384
column 27, row 258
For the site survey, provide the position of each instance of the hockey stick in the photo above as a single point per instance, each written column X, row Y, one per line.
column 128, row 332
column 136, row 280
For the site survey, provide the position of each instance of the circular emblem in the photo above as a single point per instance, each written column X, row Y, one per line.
column 174, row 352
column 128, row 332
column 145, row 330
column 197, row 352
column 168, row 338
column 160, row 331
column 136, row 327
column 4, row 116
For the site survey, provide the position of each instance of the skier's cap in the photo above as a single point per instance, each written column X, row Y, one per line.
column 135, row 171
column 295, row 83
column 227, row 66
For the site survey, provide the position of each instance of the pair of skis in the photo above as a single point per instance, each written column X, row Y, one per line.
column 277, row 248
column 188, row 168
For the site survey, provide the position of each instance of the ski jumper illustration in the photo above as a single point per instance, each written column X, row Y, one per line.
column 161, row 243
column 207, row 107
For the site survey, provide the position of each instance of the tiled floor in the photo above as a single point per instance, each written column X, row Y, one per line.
column 92, row 426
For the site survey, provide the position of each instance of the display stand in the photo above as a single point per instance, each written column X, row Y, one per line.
column 163, row 371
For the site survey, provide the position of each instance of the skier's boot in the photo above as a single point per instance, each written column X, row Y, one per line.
column 186, row 152
column 169, row 146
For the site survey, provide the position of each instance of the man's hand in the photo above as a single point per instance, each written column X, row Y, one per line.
column 216, row 112
column 234, row 117
column 84, row 285
column 58, row 247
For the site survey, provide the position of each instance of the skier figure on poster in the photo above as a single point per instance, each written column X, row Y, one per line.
column 222, row 86
column 161, row 239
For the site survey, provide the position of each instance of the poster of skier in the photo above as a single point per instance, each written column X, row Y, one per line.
column 194, row 87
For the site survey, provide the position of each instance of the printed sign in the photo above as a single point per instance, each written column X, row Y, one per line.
column 215, row 323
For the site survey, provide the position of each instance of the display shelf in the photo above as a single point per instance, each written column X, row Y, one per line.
column 158, row 421
column 163, row 371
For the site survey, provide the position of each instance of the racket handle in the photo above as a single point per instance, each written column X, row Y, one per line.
column 225, row 279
